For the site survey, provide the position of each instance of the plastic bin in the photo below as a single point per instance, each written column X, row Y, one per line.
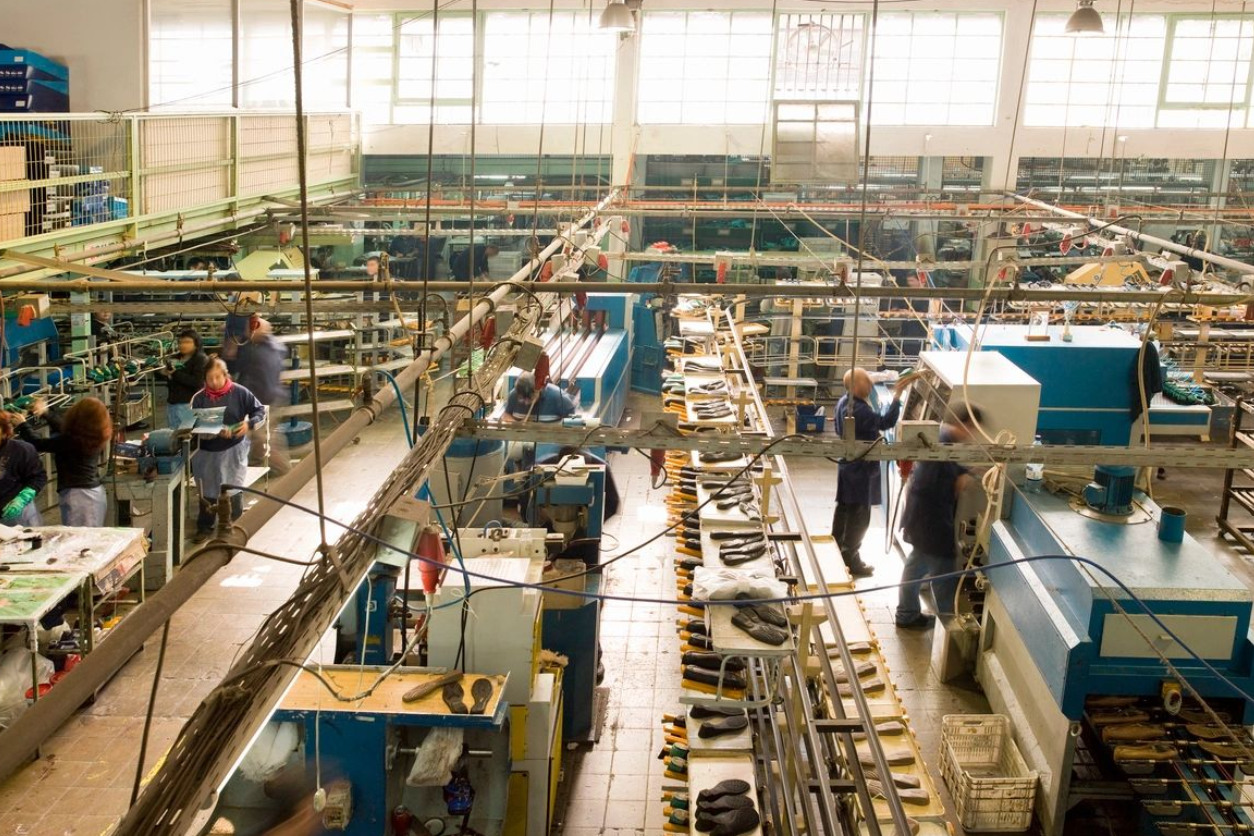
column 810, row 418
column 992, row 787
column 297, row 433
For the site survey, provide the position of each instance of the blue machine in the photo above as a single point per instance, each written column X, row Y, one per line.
column 1076, row 638
column 1087, row 384
column 649, row 325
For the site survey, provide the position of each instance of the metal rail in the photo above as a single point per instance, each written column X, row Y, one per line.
column 21, row 741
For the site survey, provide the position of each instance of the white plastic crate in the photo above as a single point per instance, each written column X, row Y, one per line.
column 992, row 787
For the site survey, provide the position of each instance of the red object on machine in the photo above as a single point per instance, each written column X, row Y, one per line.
column 487, row 334
column 546, row 272
column 541, row 371
column 603, row 263
column 722, row 274
column 26, row 315
column 905, row 469
column 431, row 549
column 402, row 820
column 657, row 463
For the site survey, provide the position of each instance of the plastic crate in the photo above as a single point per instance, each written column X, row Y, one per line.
column 992, row 787
column 811, row 418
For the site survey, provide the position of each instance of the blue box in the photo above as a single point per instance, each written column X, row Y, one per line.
column 807, row 419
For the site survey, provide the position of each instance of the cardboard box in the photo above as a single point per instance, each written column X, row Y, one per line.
column 12, row 227
column 12, row 203
column 13, row 162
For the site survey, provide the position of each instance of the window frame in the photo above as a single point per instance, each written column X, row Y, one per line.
column 1168, row 51
column 435, row 102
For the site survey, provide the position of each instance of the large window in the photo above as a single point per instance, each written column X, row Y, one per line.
column 190, row 46
column 374, row 44
column 704, row 68
column 1096, row 80
column 936, row 68
column 325, row 56
column 819, row 56
column 453, row 82
column 541, row 71
column 1206, row 77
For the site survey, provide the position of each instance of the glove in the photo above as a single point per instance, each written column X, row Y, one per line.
column 17, row 504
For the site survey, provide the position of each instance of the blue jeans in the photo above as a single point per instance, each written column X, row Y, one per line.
column 920, row 566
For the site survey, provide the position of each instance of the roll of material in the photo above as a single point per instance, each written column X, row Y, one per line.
column 1173, row 697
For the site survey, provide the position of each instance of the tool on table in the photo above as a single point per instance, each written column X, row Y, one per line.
column 427, row 688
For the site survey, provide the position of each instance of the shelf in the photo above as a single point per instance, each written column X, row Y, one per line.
column 318, row 336
column 334, row 370
column 294, row 410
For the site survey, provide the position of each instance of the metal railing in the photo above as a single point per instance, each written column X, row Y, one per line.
column 65, row 171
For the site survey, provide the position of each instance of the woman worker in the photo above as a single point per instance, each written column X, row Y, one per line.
column 184, row 378
column 77, row 440
column 223, row 459
column 22, row 477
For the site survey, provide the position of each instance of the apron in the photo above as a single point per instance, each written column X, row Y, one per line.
column 213, row 469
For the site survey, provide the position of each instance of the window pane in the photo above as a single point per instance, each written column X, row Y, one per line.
column 190, row 48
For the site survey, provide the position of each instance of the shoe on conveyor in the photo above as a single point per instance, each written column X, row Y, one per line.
column 724, row 805
column 748, row 620
column 730, row 786
column 723, row 726
column 731, row 823
column 713, row 661
column 1123, row 732
column 1144, row 752
column 770, row 613
column 706, row 711
column 731, row 681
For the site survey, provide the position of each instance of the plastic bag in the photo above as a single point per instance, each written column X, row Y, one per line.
column 270, row 752
column 437, row 755
column 15, row 681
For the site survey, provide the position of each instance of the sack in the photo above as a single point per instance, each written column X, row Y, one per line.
column 437, row 755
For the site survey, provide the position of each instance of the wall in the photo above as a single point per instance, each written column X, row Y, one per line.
column 1003, row 142
column 101, row 41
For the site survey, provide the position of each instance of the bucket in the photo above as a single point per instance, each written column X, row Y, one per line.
column 1171, row 524
column 297, row 433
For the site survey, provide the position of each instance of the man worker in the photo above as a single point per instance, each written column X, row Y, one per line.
column 459, row 263
column 858, row 482
column 551, row 404
column 259, row 364
column 928, row 525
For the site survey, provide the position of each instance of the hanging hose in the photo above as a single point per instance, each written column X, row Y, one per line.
column 400, row 401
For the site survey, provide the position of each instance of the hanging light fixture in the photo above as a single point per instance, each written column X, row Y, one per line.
column 617, row 17
column 1085, row 20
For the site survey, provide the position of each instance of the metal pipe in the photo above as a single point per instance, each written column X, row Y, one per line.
column 1154, row 240
column 785, row 291
column 21, row 741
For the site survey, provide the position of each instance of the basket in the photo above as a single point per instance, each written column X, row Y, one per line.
column 810, row 418
column 992, row 787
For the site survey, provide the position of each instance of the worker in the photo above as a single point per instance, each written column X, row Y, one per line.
column 22, row 477
column 459, row 262
column 552, row 404
column 372, row 268
column 77, row 439
column 259, row 365
column 858, row 481
column 184, row 376
column 223, row 459
column 239, row 326
column 927, row 524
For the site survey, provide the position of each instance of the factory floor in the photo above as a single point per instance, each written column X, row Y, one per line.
column 82, row 783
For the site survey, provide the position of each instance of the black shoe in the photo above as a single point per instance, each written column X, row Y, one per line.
column 922, row 622
column 705, row 712
column 600, row 673
column 722, row 726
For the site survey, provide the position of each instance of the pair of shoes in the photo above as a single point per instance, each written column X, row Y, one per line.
column 481, row 690
column 921, row 622
column 861, row 570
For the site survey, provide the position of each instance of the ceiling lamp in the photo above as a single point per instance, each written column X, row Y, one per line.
column 617, row 17
column 1085, row 20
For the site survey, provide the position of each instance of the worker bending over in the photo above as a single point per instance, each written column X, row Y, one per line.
column 551, row 404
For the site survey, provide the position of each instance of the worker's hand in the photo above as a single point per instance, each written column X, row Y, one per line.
column 902, row 384
column 242, row 429
column 17, row 505
column 17, row 419
column 39, row 407
column 572, row 388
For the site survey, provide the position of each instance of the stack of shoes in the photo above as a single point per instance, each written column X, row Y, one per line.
column 675, row 757
column 764, row 622
column 1134, row 753
column 726, row 809
column 712, row 387
column 726, row 723
column 711, row 410
column 711, row 681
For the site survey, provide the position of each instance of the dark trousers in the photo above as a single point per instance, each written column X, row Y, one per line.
column 207, row 518
column 849, row 525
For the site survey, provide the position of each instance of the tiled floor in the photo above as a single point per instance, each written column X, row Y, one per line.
column 83, row 782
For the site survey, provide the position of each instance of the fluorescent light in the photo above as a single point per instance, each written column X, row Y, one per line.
column 1085, row 20
column 617, row 17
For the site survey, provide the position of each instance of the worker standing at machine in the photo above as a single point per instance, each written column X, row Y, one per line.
column 78, row 438
column 459, row 263
column 551, row 404
column 858, row 481
column 22, row 477
column 184, row 376
column 259, row 365
column 927, row 524
column 223, row 459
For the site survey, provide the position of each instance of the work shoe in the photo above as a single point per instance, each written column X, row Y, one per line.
column 481, row 690
column 453, row 697
column 907, row 796
column 903, row 780
column 869, row 686
column 919, row 622
column 770, row 613
column 730, row 680
column 861, row 570
column 1144, row 752
column 723, row 726
column 860, row 670
column 1119, row 716
column 724, row 805
column 713, row 661
column 730, row 786
column 747, row 619
column 893, row 755
column 731, row 823
column 1132, row 731
column 1208, row 732
column 706, row 712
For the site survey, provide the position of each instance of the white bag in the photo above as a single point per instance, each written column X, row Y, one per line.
column 437, row 755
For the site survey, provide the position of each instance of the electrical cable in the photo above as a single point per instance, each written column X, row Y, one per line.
column 400, row 400
column 152, row 702
column 1089, row 563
